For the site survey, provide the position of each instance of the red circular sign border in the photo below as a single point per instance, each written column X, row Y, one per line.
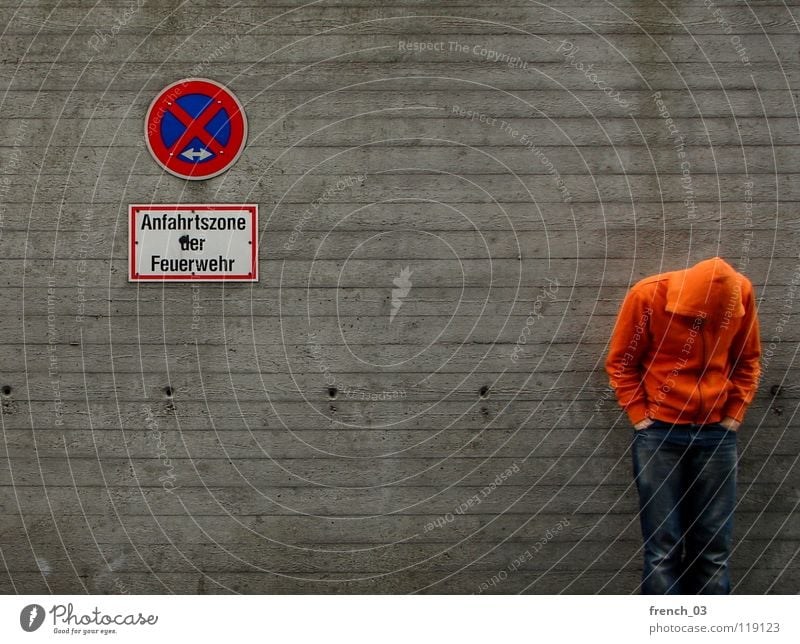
column 218, row 91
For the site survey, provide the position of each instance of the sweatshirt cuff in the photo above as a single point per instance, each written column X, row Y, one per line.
column 637, row 411
column 735, row 409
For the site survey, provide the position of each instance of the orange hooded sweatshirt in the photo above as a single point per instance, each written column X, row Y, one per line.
column 686, row 348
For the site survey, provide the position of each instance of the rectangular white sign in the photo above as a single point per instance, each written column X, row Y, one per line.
column 356, row 619
column 184, row 242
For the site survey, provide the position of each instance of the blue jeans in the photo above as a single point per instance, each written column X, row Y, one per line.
column 686, row 477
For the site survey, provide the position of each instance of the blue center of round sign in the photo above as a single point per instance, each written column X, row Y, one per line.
column 218, row 127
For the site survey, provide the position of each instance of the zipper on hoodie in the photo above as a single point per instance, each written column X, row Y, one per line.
column 702, row 373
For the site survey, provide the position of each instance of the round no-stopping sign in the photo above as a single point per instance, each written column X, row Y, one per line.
column 195, row 128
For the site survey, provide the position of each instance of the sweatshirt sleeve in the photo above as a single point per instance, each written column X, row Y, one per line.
column 745, row 352
column 629, row 342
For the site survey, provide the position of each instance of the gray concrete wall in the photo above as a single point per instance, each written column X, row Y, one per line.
column 291, row 435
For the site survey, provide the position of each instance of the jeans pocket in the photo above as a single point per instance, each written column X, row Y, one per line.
column 717, row 433
column 655, row 424
column 727, row 430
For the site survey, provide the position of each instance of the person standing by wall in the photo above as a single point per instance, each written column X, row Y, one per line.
column 684, row 362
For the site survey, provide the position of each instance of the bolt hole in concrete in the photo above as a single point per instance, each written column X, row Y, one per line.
column 332, row 391
column 776, row 390
column 484, row 392
column 6, row 390
column 168, row 391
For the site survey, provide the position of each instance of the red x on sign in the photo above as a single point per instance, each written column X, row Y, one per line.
column 195, row 128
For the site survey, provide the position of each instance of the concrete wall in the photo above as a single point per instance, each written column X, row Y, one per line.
column 295, row 436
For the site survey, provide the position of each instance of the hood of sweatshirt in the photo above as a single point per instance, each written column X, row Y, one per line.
column 711, row 289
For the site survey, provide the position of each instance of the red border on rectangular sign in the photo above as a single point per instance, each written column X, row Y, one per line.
column 132, row 277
